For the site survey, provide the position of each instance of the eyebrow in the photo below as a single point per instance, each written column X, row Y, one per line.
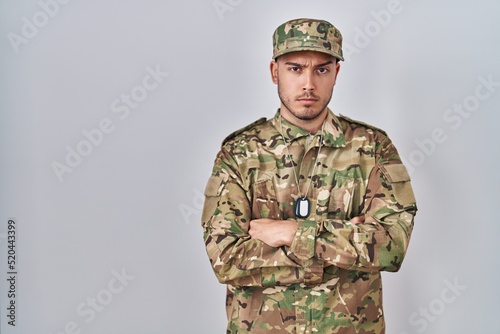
column 301, row 65
column 326, row 63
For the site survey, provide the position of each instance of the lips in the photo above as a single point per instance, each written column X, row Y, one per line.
column 307, row 99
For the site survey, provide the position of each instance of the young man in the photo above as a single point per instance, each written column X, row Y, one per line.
column 303, row 211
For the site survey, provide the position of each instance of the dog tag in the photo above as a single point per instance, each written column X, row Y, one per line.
column 302, row 207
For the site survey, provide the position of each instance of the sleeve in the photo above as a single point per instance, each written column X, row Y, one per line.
column 236, row 258
column 381, row 241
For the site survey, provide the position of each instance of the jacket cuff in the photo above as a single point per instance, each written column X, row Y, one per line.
column 310, row 274
column 313, row 272
column 304, row 242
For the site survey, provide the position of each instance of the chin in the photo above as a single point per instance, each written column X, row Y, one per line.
column 307, row 115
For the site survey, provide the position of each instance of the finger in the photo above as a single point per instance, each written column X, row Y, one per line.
column 358, row 219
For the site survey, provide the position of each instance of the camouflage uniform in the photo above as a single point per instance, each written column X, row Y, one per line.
column 328, row 280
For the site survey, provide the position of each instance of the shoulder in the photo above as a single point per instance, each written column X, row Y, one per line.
column 252, row 127
column 355, row 124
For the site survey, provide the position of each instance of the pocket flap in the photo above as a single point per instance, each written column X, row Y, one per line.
column 215, row 185
column 395, row 172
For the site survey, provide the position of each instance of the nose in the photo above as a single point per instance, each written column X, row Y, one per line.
column 308, row 84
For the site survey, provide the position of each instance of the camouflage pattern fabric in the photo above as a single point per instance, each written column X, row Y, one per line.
column 328, row 280
column 307, row 35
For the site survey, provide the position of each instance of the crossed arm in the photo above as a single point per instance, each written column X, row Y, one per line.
column 266, row 252
column 277, row 233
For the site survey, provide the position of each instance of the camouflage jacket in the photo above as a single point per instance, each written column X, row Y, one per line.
column 328, row 280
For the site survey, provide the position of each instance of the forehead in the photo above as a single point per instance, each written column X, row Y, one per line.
column 306, row 57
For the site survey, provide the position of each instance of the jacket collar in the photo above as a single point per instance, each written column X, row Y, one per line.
column 333, row 134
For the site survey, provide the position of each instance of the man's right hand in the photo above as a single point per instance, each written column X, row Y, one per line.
column 358, row 219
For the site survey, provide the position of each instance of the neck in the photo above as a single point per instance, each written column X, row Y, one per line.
column 310, row 125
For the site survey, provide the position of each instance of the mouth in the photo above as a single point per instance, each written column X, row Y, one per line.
column 307, row 100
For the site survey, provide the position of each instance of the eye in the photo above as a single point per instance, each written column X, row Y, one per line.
column 323, row 70
column 294, row 68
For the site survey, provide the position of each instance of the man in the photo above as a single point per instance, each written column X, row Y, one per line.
column 303, row 211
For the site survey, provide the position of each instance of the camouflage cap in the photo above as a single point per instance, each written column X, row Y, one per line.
column 307, row 35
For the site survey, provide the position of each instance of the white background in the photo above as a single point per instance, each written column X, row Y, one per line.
column 132, row 205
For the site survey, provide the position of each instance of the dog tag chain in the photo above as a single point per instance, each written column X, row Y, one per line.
column 302, row 206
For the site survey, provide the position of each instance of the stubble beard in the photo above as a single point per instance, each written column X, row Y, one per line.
column 307, row 113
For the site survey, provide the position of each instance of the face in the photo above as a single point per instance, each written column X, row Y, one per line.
column 305, row 82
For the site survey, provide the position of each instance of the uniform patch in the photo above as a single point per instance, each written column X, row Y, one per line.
column 398, row 176
column 215, row 185
column 395, row 172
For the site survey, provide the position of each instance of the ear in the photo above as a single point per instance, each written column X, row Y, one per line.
column 337, row 68
column 273, row 66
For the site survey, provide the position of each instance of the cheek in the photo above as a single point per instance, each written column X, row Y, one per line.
column 288, row 83
column 327, row 85
column 285, row 88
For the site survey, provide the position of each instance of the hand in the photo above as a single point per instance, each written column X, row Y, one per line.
column 358, row 219
column 275, row 233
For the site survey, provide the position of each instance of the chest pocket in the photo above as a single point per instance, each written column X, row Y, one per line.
column 345, row 198
column 265, row 202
